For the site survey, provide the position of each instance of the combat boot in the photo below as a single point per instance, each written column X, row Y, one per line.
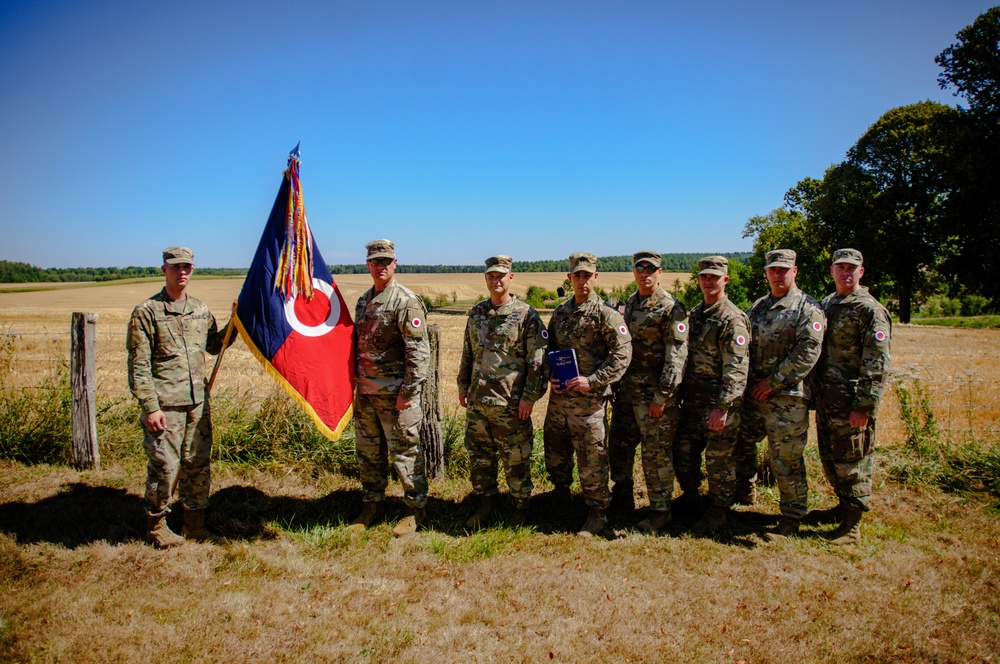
column 482, row 513
column 622, row 498
column 745, row 495
column 370, row 513
column 656, row 521
column 833, row 514
column 787, row 527
column 158, row 533
column 409, row 524
column 596, row 522
column 518, row 517
column 561, row 494
column 849, row 530
column 194, row 526
column 689, row 501
column 713, row 519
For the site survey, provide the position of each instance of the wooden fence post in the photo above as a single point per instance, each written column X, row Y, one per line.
column 430, row 428
column 83, row 383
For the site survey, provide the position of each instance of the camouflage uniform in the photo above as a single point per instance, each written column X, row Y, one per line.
column 786, row 340
column 393, row 359
column 850, row 376
column 167, row 341
column 503, row 363
column 658, row 327
column 715, row 377
column 575, row 422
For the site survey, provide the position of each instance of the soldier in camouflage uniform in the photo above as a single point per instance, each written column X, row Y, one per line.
column 502, row 374
column 168, row 336
column 393, row 360
column 786, row 339
column 847, row 387
column 712, row 391
column 575, row 420
column 647, row 395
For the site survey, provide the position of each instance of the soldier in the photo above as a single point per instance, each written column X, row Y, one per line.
column 168, row 336
column 392, row 364
column 502, row 374
column 647, row 396
column 786, row 339
column 575, row 420
column 714, row 382
column 848, row 383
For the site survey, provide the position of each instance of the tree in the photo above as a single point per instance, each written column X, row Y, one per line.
column 783, row 228
column 972, row 66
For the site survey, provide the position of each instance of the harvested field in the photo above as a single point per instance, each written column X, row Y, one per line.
column 291, row 584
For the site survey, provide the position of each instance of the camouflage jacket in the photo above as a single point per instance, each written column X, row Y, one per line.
column 658, row 326
column 167, row 341
column 786, row 337
column 855, row 361
column 503, row 355
column 393, row 354
column 598, row 334
column 718, row 355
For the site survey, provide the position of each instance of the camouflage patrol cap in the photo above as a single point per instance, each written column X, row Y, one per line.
column 499, row 263
column 650, row 257
column 717, row 265
column 582, row 262
column 852, row 256
column 780, row 258
column 178, row 255
column 381, row 249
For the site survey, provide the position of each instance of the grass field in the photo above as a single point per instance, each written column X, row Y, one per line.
column 290, row 584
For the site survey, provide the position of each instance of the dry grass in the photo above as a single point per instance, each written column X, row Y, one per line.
column 291, row 585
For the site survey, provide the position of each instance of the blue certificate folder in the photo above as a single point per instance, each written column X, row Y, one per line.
column 563, row 365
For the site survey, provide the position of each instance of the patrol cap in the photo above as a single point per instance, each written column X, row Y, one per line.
column 582, row 262
column 499, row 263
column 852, row 256
column 650, row 257
column 717, row 265
column 381, row 249
column 780, row 258
column 178, row 255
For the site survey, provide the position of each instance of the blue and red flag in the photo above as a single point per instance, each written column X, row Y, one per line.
column 292, row 316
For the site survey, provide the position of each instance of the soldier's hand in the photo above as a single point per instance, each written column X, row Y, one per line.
column 578, row 383
column 554, row 384
column 524, row 409
column 155, row 422
column 760, row 390
column 402, row 403
column 717, row 420
column 857, row 420
column 235, row 302
column 463, row 399
column 655, row 409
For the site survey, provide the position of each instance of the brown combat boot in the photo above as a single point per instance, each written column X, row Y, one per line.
column 745, row 495
column 561, row 494
column 159, row 534
column 713, row 519
column 787, row 527
column 194, row 526
column 596, row 522
column 833, row 514
column 409, row 524
column 370, row 513
column 622, row 498
column 482, row 513
column 849, row 530
column 655, row 522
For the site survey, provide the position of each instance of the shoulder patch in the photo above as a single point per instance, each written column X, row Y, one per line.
column 682, row 328
column 880, row 335
column 623, row 330
column 545, row 333
column 415, row 323
column 740, row 340
column 817, row 326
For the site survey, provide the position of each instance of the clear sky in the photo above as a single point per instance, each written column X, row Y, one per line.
column 458, row 129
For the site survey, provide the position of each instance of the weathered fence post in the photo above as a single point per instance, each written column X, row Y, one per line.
column 83, row 384
column 430, row 428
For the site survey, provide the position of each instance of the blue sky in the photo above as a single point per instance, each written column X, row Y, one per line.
column 457, row 129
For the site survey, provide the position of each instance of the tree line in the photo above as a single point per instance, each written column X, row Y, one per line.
column 20, row 273
column 918, row 194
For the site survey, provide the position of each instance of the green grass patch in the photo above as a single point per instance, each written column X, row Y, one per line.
column 971, row 322
column 478, row 546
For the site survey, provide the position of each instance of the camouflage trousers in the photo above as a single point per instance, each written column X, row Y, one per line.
column 693, row 438
column 847, row 454
column 178, row 459
column 578, row 425
column 383, row 434
column 785, row 421
column 497, row 430
column 631, row 424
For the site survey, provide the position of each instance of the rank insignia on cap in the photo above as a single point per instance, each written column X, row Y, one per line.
column 740, row 340
column 415, row 323
column 682, row 328
column 623, row 329
column 880, row 335
column 818, row 326
column 545, row 333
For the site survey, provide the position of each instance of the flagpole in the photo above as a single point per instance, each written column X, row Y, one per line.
column 230, row 329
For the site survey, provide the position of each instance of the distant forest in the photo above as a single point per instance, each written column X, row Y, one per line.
column 15, row 272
